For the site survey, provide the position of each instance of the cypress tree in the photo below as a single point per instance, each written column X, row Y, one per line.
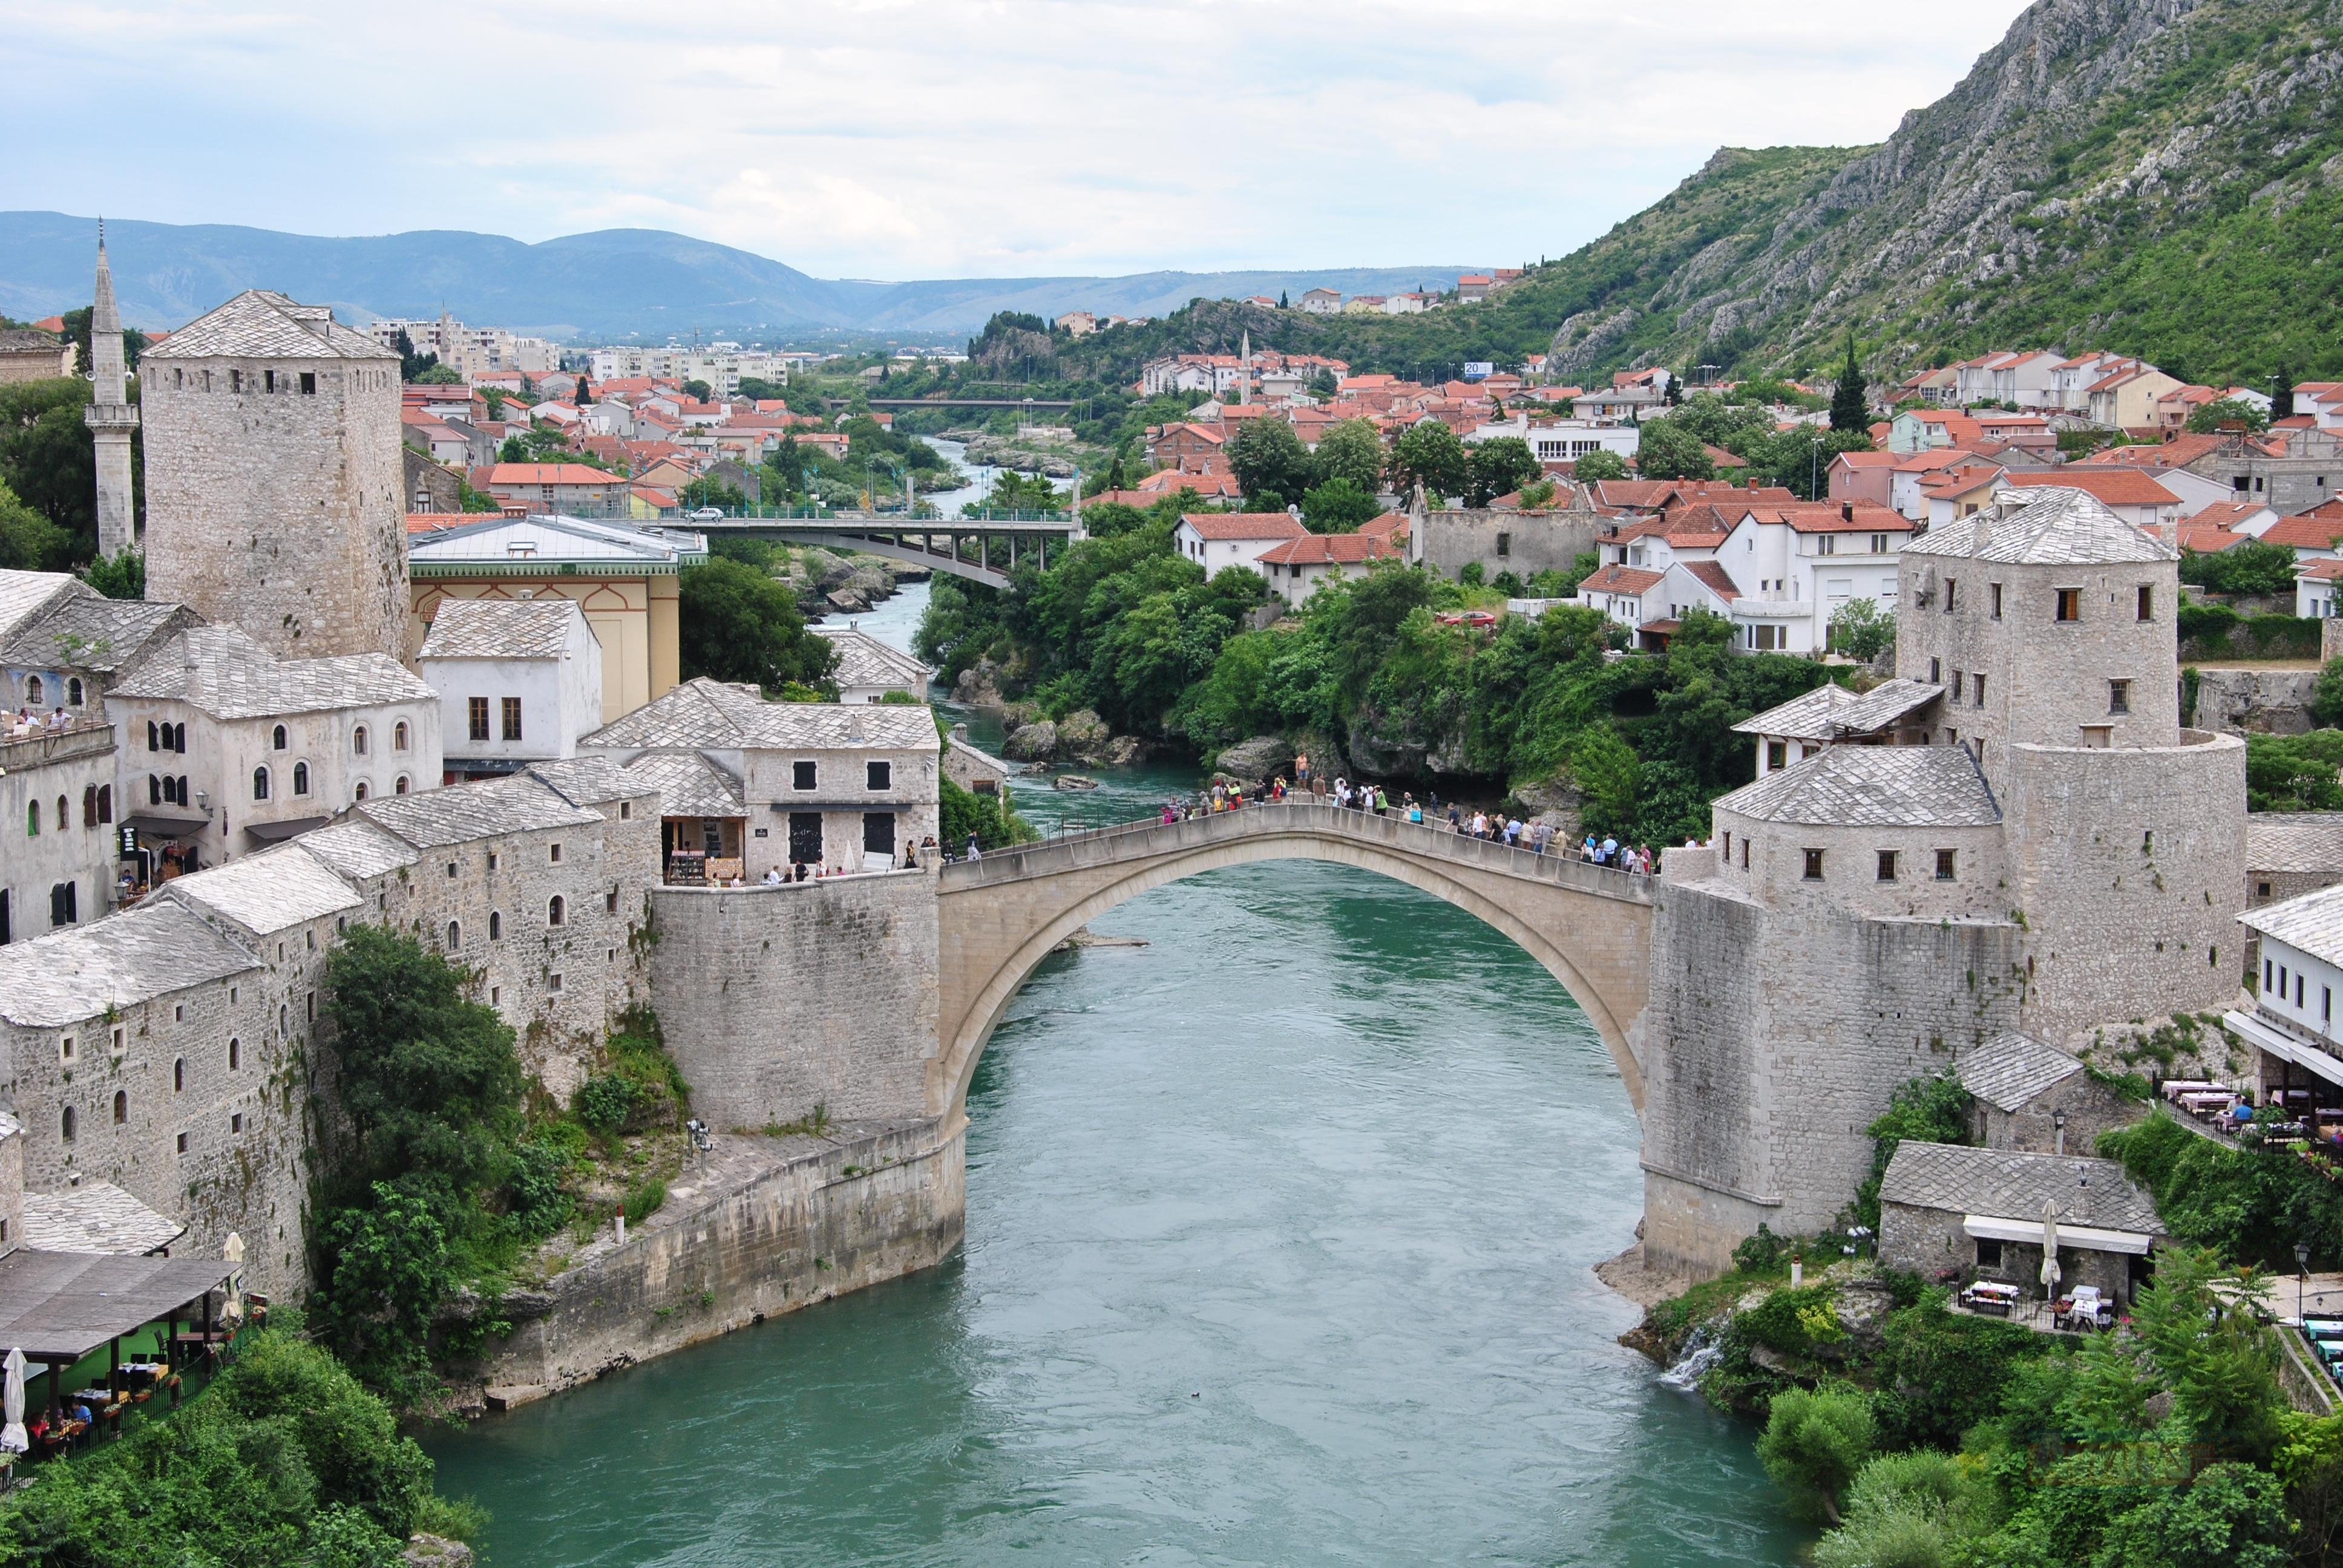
column 2282, row 395
column 1849, row 410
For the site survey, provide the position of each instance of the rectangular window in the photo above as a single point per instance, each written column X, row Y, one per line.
column 1943, row 865
column 1879, row 544
column 2327, row 1004
column 2265, row 976
column 512, row 718
column 1886, row 865
column 1949, row 586
column 878, row 776
column 1936, row 673
column 553, row 854
column 477, row 709
column 1996, row 592
column 1776, row 754
column 1989, row 1252
column 879, row 833
column 2070, row 604
column 1726, row 843
column 1813, row 865
column 553, row 983
column 1745, row 853
column 1976, row 688
column 308, row 383
column 1828, row 545
column 1505, row 545
column 2118, row 697
column 183, row 1144
column 2298, row 990
column 2098, row 736
column 2146, row 602
column 802, row 775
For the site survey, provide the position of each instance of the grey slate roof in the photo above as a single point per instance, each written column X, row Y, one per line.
column 481, row 810
column 584, row 780
column 1830, row 710
column 356, row 849
column 864, row 660
column 22, row 593
column 689, row 785
column 2295, row 842
column 97, row 1216
column 269, row 891
column 2051, row 525
column 86, row 630
column 260, row 325
column 2313, row 922
column 704, row 714
column 1872, row 787
column 2009, row 1070
column 500, row 629
column 75, row 974
column 233, row 677
column 2003, row 1184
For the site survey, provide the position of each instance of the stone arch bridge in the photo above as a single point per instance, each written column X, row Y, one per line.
column 1588, row 925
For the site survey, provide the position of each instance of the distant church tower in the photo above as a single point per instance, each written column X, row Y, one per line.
column 273, row 477
column 111, row 415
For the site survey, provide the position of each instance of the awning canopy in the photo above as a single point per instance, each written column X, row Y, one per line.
column 60, row 1306
column 270, row 832
column 166, row 824
column 2278, row 1044
column 2086, row 1238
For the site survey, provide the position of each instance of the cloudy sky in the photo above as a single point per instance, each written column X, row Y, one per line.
column 923, row 138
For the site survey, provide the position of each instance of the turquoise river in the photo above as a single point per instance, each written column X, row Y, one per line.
column 1280, row 1232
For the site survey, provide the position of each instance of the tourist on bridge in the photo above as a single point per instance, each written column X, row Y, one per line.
column 1301, row 769
column 973, row 853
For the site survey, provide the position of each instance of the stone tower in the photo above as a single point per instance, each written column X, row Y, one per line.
column 111, row 415
column 273, row 477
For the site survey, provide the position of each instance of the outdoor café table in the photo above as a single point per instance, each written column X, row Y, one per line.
column 2174, row 1087
column 1990, row 1298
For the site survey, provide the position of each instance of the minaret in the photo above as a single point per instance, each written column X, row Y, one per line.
column 111, row 415
column 1244, row 370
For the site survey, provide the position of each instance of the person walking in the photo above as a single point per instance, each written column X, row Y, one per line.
column 1455, row 819
column 1513, row 832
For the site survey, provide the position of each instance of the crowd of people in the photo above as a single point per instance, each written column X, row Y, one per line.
column 25, row 724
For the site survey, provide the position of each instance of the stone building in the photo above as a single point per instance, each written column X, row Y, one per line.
column 28, row 353
column 868, row 670
column 519, row 681
column 70, row 651
column 2037, row 1099
column 2059, row 856
column 274, row 486
column 1949, row 1213
column 57, row 811
column 228, row 746
column 973, row 768
column 827, row 785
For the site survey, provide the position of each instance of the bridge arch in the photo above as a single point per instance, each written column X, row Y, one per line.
column 1000, row 916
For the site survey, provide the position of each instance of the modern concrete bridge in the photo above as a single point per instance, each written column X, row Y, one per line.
column 1589, row 925
column 979, row 550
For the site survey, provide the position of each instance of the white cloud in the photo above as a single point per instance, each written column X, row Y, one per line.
column 923, row 139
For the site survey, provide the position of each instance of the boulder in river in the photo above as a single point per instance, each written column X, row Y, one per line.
column 1257, row 760
column 1082, row 734
column 1032, row 743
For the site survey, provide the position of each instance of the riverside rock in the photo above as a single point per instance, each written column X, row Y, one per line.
column 1257, row 760
column 1031, row 743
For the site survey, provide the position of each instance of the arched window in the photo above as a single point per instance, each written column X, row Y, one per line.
column 66, row 1124
column 400, row 787
column 398, row 736
column 153, row 790
column 235, row 1054
column 170, row 791
column 496, row 926
column 277, row 739
column 64, row 813
column 73, row 691
column 179, row 1076
column 180, row 738
column 300, row 778
column 121, row 1108
column 89, row 805
column 187, row 795
column 284, row 1021
column 33, row 689
column 455, row 936
column 556, row 911
column 359, row 740
column 360, row 792
column 32, row 818
column 154, row 736
column 106, row 802
column 260, row 783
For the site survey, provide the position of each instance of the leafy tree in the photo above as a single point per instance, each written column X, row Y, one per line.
column 1337, row 506
column 1499, row 467
column 2294, row 772
column 1598, row 468
column 494, row 397
column 1352, row 449
column 46, row 457
column 1860, row 629
column 1815, row 1443
column 1850, row 410
column 383, row 1273
column 2252, row 567
column 1267, row 457
column 583, row 392
column 77, row 327
column 1916, row 1510
column 2282, row 396
column 2207, row 417
column 1929, row 1109
column 437, row 375
column 2232, row 1516
column 707, row 492
column 411, row 365
column 29, row 541
column 739, row 624
column 2326, row 696
column 1666, row 449
column 514, row 450
column 122, row 576
column 1429, row 454
column 695, row 389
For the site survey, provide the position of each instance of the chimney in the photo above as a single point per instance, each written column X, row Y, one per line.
column 1847, row 511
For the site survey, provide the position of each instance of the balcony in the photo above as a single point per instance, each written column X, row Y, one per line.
column 45, row 748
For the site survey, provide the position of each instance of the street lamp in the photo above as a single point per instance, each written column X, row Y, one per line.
column 2301, row 1275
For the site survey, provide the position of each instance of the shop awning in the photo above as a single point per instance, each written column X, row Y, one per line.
column 60, row 1306
column 2284, row 1047
column 2088, row 1237
column 270, row 832
column 165, row 825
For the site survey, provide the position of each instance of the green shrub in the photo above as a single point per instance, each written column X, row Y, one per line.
column 644, row 1198
column 1815, row 1443
column 1930, row 1110
column 2206, row 623
column 604, row 1102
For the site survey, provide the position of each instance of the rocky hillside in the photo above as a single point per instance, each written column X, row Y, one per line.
column 2161, row 177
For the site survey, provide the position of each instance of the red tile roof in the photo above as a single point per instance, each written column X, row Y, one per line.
column 2178, row 452
column 2114, row 486
column 1714, row 578
column 2207, row 539
column 1620, row 580
column 2306, row 531
column 1244, row 524
column 1333, row 549
column 1837, row 518
column 2324, row 570
column 548, row 474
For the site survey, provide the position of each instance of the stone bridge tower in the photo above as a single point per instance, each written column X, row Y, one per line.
column 111, row 415
column 274, row 481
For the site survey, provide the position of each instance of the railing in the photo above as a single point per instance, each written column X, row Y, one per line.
column 56, row 746
column 1559, row 864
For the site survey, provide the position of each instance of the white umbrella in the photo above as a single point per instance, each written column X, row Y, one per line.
column 12, row 1436
column 2049, row 1246
column 233, row 1252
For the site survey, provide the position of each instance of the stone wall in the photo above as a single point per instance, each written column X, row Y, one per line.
column 1522, row 543
column 2255, row 701
column 1933, row 1244
column 873, row 1205
column 776, row 999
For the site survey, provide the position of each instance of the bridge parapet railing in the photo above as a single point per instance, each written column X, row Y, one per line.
column 1107, row 845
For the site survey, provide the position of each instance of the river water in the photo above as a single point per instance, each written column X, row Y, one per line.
column 1279, row 1239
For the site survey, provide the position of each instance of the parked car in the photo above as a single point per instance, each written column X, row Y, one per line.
column 706, row 514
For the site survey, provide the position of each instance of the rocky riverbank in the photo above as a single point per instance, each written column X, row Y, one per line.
column 827, row 583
